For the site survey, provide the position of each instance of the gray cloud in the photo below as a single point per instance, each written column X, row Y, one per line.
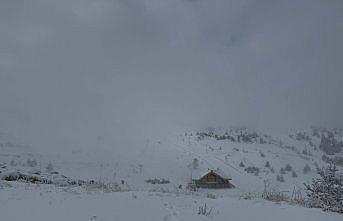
column 73, row 70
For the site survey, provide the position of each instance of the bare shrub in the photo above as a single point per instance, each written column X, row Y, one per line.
column 20, row 177
column 297, row 197
column 282, row 196
column 273, row 195
column 210, row 196
column 248, row 196
column 93, row 185
column 157, row 181
column 203, row 210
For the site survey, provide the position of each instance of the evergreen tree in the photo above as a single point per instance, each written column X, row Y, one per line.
column 327, row 191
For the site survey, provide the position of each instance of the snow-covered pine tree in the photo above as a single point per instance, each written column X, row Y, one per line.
column 327, row 191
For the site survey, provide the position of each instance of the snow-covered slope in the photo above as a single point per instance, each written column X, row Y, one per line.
column 252, row 159
column 248, row 157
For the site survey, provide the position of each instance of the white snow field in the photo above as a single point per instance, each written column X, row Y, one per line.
column 49, row 203
column 171, row 159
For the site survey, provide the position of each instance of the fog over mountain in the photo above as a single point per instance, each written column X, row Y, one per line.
column 73, row 72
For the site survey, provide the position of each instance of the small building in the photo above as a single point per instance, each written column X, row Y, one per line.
column 212, row 180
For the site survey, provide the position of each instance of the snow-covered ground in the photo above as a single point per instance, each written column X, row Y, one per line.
column 55, row 204
column 176, row 159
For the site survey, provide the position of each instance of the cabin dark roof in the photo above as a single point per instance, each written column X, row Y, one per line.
column 219, row 172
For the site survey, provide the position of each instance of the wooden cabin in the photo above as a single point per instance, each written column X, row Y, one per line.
column 212, row 180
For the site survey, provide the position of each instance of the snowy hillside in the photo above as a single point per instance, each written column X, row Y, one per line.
column 159, row 170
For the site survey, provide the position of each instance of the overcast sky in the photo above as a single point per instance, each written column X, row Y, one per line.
column 72, row 71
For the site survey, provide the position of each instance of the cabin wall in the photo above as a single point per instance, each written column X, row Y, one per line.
column 209, row 185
